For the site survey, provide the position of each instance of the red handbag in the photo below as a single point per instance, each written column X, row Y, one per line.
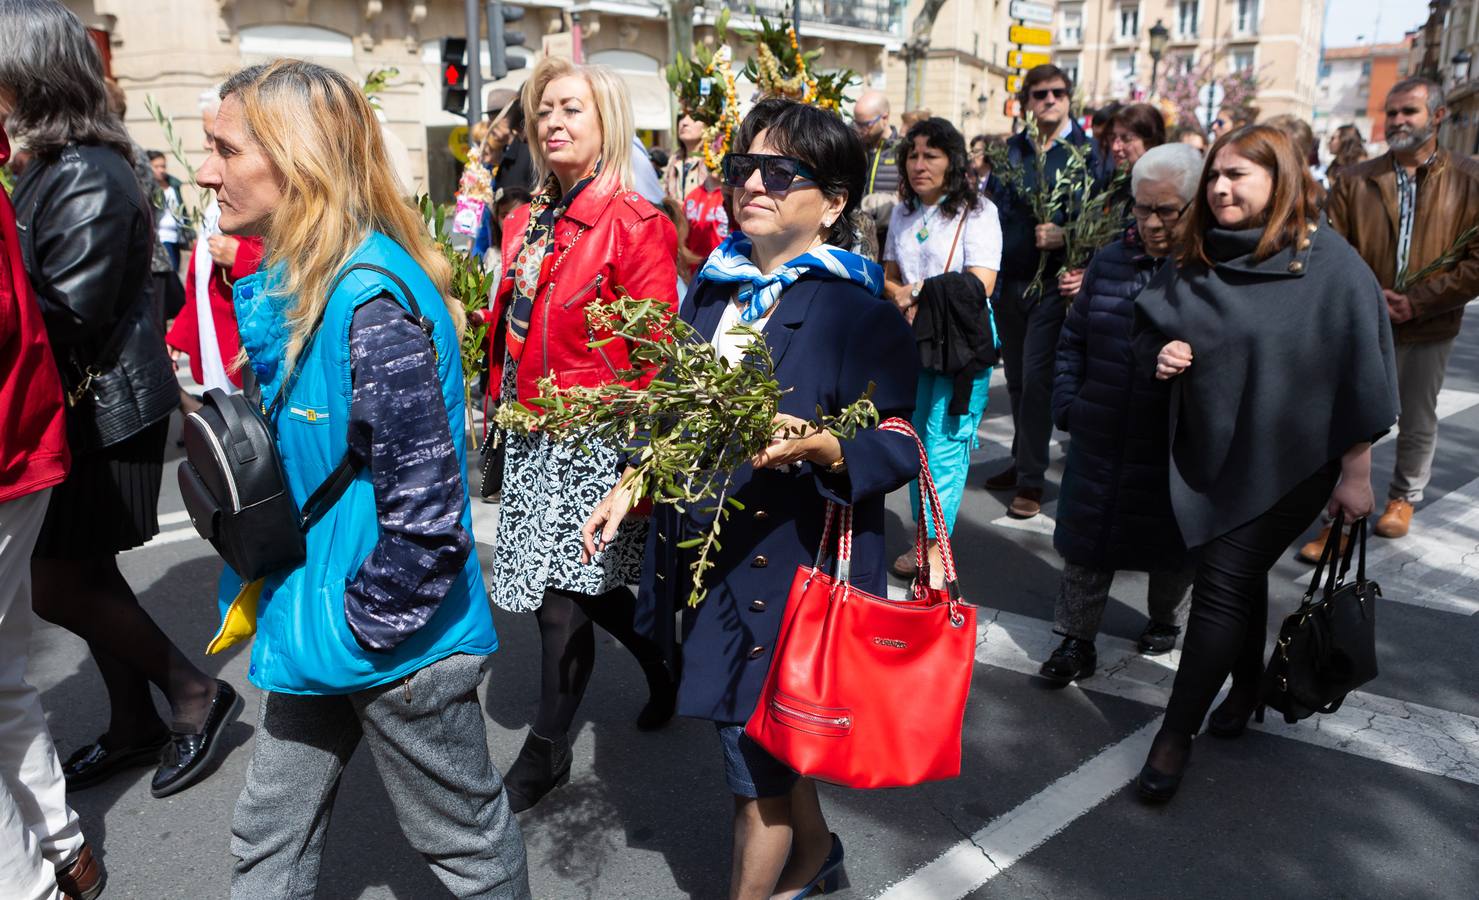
column 864, row 691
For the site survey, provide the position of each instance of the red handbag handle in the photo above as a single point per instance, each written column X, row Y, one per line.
column 932, row 507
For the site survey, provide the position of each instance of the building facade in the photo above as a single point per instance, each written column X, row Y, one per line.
column 965, row 70
column 1353, row 86
column 1106, row 44
column 1446, row 47
column 173, row 50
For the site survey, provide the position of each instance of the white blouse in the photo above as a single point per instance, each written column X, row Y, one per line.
column 919, row 242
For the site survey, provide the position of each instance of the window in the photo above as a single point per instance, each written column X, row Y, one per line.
column 1183, row 63
column 1071, row 32
column 1069, row 64
column 1324, row 70
column 1366, row 69
column 1124, row 69
column 1242, row 61
column 1129, row 22
column 1188, row 18
column 1246, row 21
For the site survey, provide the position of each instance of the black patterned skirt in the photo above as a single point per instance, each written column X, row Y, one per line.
column 110, row 500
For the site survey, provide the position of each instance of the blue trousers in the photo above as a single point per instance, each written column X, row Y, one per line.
column 948, row 440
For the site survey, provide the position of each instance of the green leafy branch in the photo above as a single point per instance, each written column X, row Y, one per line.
column 376, row 82
column 1447, row 259
column 471, row 284
column 690, row 429
column 1066, row 195
column 192, row 214
column 1099, row 222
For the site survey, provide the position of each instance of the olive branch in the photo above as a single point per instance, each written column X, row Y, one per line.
column 192, row 214
column 689, row 429
column 1446, row 259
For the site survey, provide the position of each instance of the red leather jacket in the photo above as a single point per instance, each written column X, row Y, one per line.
column 609, row 241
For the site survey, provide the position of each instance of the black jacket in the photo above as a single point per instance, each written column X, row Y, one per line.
column 1114, row 510
column 954, row 332
column 1019, row 253
column 87, row 234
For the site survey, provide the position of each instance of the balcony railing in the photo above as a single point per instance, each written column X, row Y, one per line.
column 885, row 16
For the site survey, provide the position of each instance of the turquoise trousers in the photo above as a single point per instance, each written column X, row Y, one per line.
column 948, row 440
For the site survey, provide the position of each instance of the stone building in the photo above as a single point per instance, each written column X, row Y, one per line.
column 1444, row 48
column 172, row 50
column 965, row 70
column 1353, row 85
column 1107, row 43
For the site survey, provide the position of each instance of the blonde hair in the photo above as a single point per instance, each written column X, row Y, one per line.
column 338, row 185
column 479, row 132
column 613, row 109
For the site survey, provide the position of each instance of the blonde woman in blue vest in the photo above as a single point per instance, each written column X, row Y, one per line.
column 381, row 635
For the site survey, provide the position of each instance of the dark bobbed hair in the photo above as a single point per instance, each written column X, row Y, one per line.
column 54, row 75
column 823, row 142
column 1037, row 75
column 1293, row 204
column 959, row 192
column 1142, row 120
column 155, row 154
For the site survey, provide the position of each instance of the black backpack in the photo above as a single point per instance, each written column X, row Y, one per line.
column 232, row 478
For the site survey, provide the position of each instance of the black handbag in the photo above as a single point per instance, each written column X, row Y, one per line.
column 233, row 482
column 492, row 464
column 1327, row 647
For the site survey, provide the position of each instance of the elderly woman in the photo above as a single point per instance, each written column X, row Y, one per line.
column 940, row 265
column 1114, row 509
column 87, row 236
column 585, row 238
column 797, row 174
column 381, row 634
column 1280, row 351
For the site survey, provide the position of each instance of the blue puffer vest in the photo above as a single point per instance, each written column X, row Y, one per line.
column 303, row 643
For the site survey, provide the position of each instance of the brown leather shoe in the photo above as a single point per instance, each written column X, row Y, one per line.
column 1026, row 504
column 1310, row 552
column 906, row 566
column 84, row 878
column 1396, row 520
column 1003, row 481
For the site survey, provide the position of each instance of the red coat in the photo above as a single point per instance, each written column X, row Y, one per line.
column 184, row 334
column 33, row 428
column 607, row 233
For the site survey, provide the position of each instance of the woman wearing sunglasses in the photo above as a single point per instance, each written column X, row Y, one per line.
column 797, row 175
column 585, row 238
column 940, row 265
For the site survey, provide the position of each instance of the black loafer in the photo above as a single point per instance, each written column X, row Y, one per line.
column 1158, row 638
column 187, row 757
column 96, row 763
column 1074, row 659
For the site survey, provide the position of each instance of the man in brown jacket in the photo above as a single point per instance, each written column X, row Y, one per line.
column 1403, row 210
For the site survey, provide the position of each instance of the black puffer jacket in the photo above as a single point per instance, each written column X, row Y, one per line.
column 87, row 236
column 1114, row 511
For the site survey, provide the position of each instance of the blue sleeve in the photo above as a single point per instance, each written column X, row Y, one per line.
column 398, row 430
column 484, row 238
column 881, row 351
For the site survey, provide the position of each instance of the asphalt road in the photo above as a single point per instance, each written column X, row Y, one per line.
column 1378, row 800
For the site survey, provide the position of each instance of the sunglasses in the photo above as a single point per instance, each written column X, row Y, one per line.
column 1044, row 93
column 864, row 124
column 1167, row 214
column 777, row 173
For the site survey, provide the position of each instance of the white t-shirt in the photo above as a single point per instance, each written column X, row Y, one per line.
column 979, row 246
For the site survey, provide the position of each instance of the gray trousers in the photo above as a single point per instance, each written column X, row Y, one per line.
column 430, row 746
column 1029, row 332
column 1083, row 593
column 1420, row 369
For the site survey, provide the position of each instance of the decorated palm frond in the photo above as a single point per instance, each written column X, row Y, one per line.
column 705, row 91
column 781, row 69
column 471, row 284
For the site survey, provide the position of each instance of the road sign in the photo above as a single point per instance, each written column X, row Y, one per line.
column 1038, row 37
column 1020, row 60
column 1042, row 13
column 1014, row 84
column 457, row 143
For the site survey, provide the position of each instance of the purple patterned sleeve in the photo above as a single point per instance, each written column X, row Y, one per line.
column 398, row 430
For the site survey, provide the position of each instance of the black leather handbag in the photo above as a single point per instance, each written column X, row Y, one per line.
column 1327, row 647
column 233, row 482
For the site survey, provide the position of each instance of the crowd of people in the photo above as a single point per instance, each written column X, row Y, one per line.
column 1221, row 368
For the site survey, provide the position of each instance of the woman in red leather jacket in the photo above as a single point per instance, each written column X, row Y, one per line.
column 586, row 237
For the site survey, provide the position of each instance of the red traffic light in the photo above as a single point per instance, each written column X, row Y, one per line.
column 454, row 75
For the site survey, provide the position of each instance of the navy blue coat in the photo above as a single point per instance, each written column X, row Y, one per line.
column 1019, row 253
column 1114, row 509
column 829, row 339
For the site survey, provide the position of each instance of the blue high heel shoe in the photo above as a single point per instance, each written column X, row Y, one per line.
column 829, row 878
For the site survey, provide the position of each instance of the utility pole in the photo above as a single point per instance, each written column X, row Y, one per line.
column 796, row 18
column 474, row 63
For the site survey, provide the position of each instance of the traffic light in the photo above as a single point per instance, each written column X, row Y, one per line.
column 454, row 75
column 500, row 39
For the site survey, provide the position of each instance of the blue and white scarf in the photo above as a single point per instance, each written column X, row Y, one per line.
column 730, row 263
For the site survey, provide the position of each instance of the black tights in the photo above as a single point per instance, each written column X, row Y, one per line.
column 91, row 599
column 567, row 637
column 1226, row 628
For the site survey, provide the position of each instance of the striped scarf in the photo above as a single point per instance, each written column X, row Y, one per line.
column 730, row 263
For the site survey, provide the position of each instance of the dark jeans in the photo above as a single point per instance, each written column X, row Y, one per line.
column 1226, row 630
column 1029, row 348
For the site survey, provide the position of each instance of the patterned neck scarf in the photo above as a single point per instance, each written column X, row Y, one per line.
column 534, row 259
column 730, row 263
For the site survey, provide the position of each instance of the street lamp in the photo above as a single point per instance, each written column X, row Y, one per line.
column 1159, row 34
column 1461, row 62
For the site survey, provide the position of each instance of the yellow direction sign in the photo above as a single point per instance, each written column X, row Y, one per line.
column 1018, row 59
column 457, row 143
column 1014, row 84
column 1038, row 37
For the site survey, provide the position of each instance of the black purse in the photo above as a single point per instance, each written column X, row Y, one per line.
column 492, row 464
column 1327, row 647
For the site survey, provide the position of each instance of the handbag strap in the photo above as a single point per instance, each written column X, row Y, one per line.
column 1325, row 568
column 958, row 229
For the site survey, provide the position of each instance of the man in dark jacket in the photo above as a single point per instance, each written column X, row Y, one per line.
column 871, row 120
column 1114, row 512
column 1030, row 325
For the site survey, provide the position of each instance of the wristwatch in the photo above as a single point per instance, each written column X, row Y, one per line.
column 837, row 467
column 914, row 291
